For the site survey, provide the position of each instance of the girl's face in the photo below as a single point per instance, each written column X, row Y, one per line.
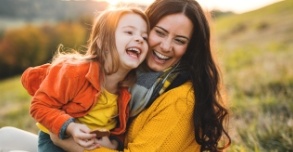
column 131, row 40
column 168, row 41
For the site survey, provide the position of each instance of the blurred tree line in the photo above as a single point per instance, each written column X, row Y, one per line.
column 49, row 9
column 58, row 22
column 33, row 45
column 50, row 23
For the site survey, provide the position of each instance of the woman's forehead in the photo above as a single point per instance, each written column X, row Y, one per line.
column 178, row 24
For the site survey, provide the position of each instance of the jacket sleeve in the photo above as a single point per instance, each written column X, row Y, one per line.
column 57, row 89
column 33, row 77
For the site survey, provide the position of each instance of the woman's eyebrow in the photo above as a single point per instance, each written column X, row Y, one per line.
column 182, row 36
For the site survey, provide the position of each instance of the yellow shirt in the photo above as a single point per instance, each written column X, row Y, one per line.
column 102, row 115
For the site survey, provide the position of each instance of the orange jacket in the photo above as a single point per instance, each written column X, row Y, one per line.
column 65, row 91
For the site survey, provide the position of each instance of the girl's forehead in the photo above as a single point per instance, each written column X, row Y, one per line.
column 132, row 20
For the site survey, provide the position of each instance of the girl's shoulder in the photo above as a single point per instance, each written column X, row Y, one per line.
column 73, row 69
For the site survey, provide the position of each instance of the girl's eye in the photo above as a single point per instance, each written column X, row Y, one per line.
column 145, row 38
column 129, row 32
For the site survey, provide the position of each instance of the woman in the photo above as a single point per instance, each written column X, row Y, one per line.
column 187, row 112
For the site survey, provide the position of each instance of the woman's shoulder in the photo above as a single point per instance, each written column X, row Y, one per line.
column 178, row 100
column 183, row 92
column 183, row 89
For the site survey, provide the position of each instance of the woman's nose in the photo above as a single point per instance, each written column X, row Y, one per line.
column 166, row 44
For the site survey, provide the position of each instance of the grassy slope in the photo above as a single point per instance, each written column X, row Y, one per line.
column 255, row 49
column 14, row 105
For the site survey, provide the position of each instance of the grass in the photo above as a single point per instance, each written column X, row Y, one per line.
column 14, row 103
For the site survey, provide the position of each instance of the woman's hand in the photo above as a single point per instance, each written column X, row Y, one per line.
column 69, row 144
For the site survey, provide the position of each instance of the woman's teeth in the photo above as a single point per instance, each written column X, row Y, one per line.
column 160, row 56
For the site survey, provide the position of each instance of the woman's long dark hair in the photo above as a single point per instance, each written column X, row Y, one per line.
column 209, row 112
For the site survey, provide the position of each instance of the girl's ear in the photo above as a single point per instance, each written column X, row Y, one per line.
column 99, row 43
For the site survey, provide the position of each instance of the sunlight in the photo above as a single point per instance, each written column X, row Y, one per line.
column 114, row 2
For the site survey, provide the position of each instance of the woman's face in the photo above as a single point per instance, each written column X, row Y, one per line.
column 168, row 41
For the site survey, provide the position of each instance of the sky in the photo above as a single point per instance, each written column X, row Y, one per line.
column 237, row 6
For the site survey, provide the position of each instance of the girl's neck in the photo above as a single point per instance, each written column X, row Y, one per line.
column 112, row 81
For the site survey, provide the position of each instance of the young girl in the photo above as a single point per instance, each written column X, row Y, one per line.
column 77, row 93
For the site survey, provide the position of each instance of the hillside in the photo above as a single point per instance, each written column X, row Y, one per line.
column 263, row 26
column 256, row 51
column 257, row 46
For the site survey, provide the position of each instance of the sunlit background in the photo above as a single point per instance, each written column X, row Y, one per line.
column 224, row 5
column 252, row 41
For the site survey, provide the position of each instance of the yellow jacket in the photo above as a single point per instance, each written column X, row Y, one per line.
column 166, row 126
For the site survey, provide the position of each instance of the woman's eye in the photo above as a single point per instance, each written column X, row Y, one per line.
column 160, row 33
column 178, row 41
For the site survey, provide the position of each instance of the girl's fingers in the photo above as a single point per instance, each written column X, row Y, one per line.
column 93, row 146
column 86, row 136
column 88, row 144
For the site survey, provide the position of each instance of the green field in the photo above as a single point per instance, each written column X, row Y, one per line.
column 255, row 51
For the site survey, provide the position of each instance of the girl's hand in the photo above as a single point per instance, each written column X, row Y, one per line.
column 106, row 142
column 82, row 136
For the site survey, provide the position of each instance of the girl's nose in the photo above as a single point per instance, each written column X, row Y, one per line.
column 139, row 39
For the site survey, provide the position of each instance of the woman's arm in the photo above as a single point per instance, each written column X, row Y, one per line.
column 67, row 144
column 70, row 145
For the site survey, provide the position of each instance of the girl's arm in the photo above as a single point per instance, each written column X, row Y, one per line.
column 57, row 89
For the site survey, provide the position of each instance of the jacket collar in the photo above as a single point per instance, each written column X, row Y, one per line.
column 93, row 75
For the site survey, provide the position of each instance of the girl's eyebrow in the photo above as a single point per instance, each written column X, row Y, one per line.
column 132, row 27
column 182, row 36
column 128, row 26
